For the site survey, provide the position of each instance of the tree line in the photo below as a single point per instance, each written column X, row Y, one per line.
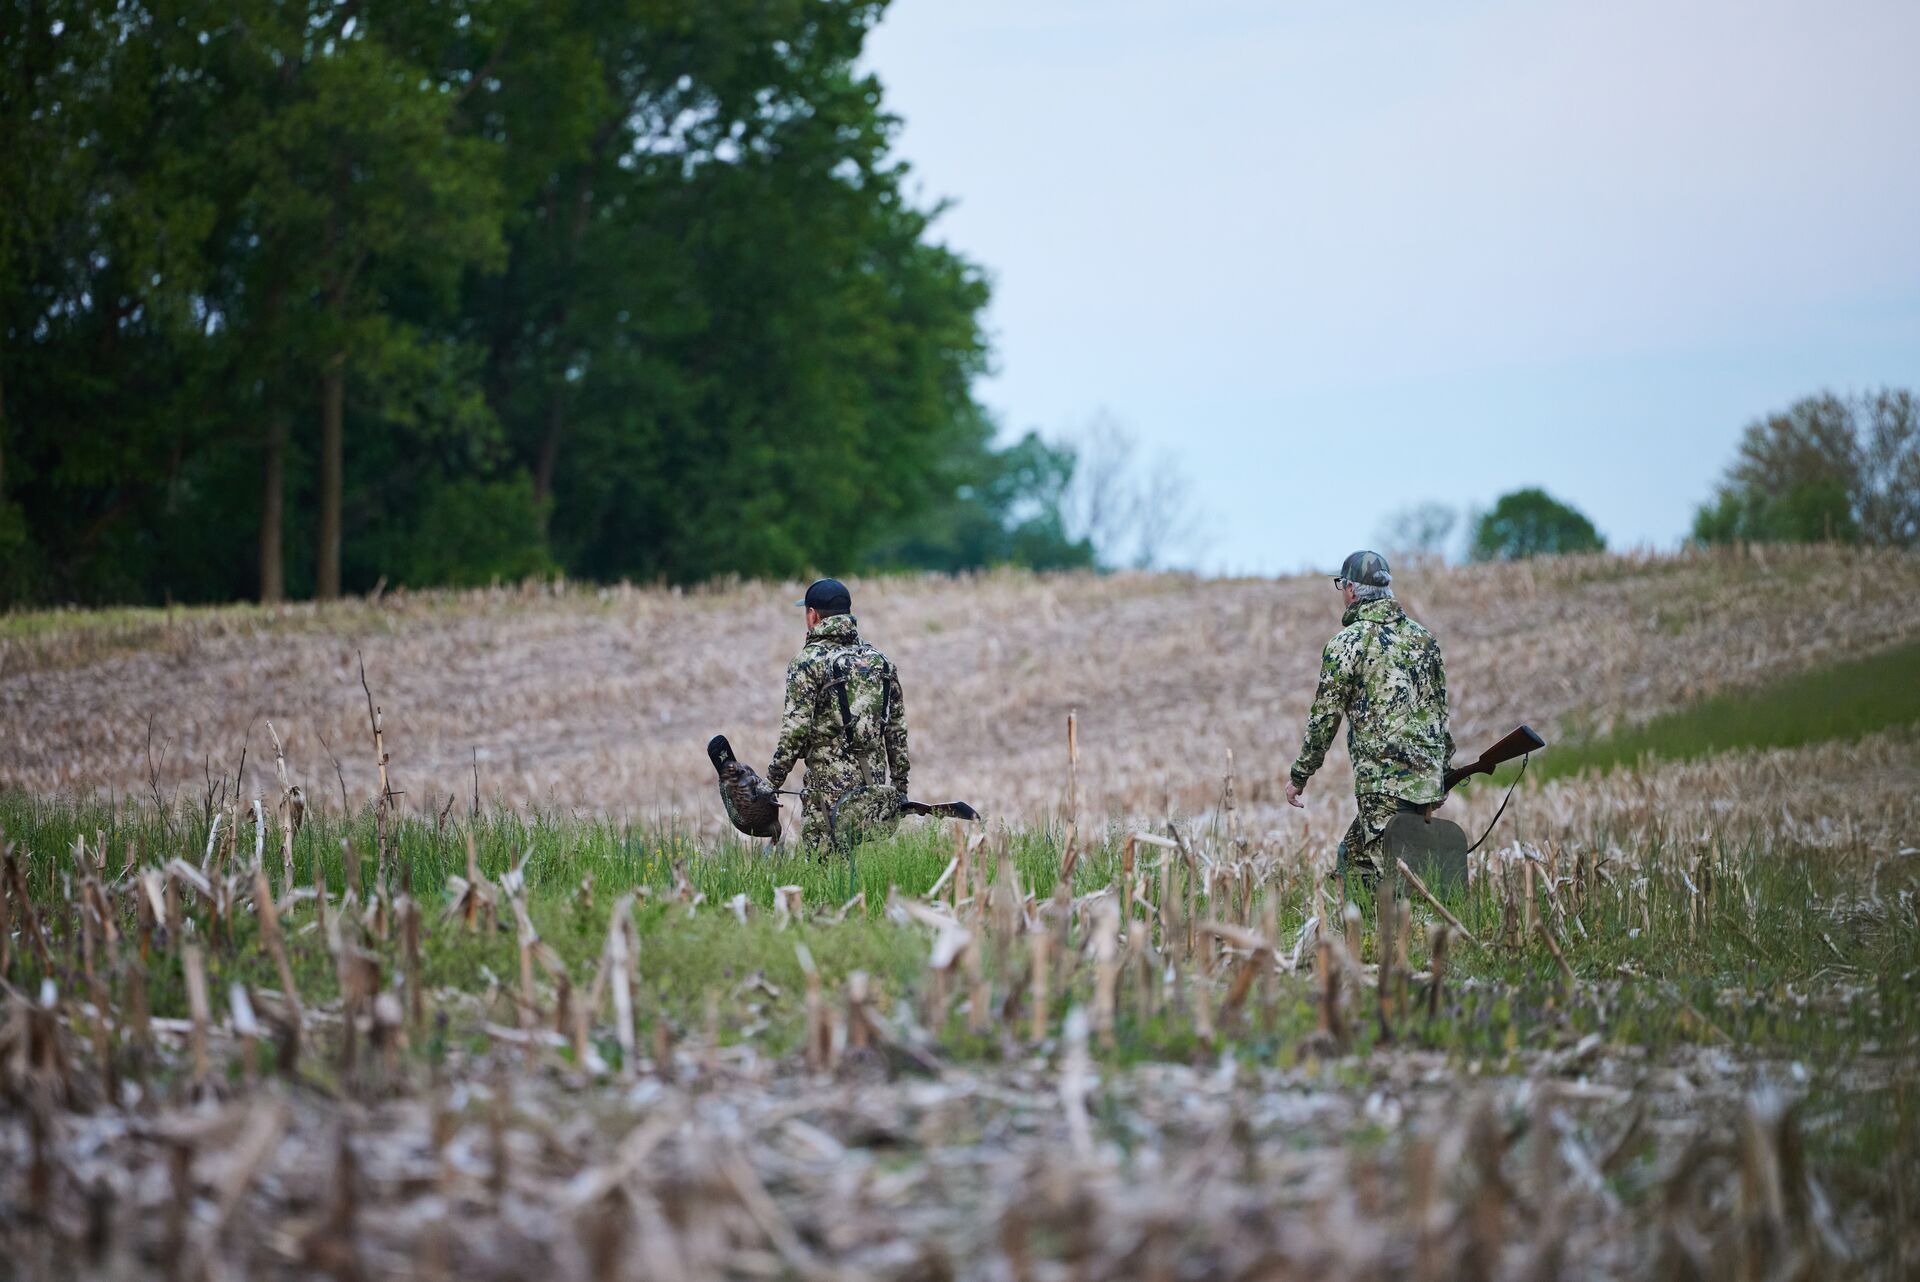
column 302, row 296
column 1828, row 468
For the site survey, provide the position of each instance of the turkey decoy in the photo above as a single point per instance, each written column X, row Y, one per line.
column 750, row 801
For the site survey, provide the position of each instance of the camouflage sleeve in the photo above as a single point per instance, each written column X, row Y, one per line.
column 1329, row 701
column 796, row 725
column 1446, row 722
column 895, row 733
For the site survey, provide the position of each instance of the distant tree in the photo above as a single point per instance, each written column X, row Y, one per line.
column 1828, row 468
column 1422, row 529
column 1887, row 495
column 1890, row 471
column 471, row 532
column 1131, row 512
column 1003, row 509
column 1792, row 480
column 1531, row 522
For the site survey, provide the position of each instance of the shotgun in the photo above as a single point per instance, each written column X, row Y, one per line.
column 1517, row 744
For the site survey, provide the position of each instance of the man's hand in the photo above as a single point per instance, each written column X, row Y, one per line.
column 1293, row 793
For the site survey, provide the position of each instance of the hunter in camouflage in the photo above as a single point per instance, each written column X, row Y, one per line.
column 847, row 720
column 1383, row 672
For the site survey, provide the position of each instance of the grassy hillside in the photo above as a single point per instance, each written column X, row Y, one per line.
column 1844, row 701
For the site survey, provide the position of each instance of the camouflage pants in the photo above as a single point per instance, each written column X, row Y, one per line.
column 862, row 814
column 1363, row 849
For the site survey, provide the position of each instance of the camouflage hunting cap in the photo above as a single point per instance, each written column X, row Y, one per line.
column 1365, row 570
column 829, row 596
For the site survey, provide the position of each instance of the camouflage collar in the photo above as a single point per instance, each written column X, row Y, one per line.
column 838, row 629
column 1384, row 610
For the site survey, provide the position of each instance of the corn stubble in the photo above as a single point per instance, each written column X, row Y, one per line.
column 562, row 697
column 1185, row 1057
column 1219, row 1072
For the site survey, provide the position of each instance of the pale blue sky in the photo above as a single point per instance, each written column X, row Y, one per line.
column 1344, row 257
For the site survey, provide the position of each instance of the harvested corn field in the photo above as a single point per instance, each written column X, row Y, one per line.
column 602, row 701
column 1668, row 1028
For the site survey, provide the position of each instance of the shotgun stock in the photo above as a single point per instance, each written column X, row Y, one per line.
column 1517, row 744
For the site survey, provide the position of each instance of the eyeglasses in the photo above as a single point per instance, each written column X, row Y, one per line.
column 1339, row 582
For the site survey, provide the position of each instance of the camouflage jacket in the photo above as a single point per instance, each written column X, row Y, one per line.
column 812, row 729
column 1382, row 671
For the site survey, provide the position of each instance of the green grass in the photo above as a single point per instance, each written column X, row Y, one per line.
column 1841, row 701
column 1786, row 962
column 1773, row 935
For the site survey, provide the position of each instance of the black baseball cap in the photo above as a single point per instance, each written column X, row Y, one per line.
column 829, row 596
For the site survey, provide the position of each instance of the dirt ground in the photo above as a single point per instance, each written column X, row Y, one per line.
column 601, row 700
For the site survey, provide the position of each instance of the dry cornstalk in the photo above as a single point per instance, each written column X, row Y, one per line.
column 258, row 1141
column 1526, row 897
column 285, row 809
column 618, row 962
column 320, row 891
column 1038, row 942
column 1331, row 1027
column 819, row 1031
column 198, row 1010
column 979, row 992
column 1402, row 954
column 1553, row 946
column 953, row 864
column 963, row 888
column 408, row 911
column 1421, row 886
column 1071, row 853
column 1439, row 947
column 245, row 1027
column 1106, row 975
column 276, row 947
column 1192, row 868
column 861, row 1029
column 383, row 804
column 213, row 831
column 1257, row 963
column 29, row 919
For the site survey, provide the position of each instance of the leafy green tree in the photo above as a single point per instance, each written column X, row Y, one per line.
column 364, row 172
column 475, row 289
column 471, row 532
column 1828, row 468
column 1791, row 480
column 1530, row 522
column 101, row 267
column 1004, row 509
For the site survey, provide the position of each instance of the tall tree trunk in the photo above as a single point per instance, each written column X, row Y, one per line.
column 549, row 456
column 273, row 502
column 333, row 387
